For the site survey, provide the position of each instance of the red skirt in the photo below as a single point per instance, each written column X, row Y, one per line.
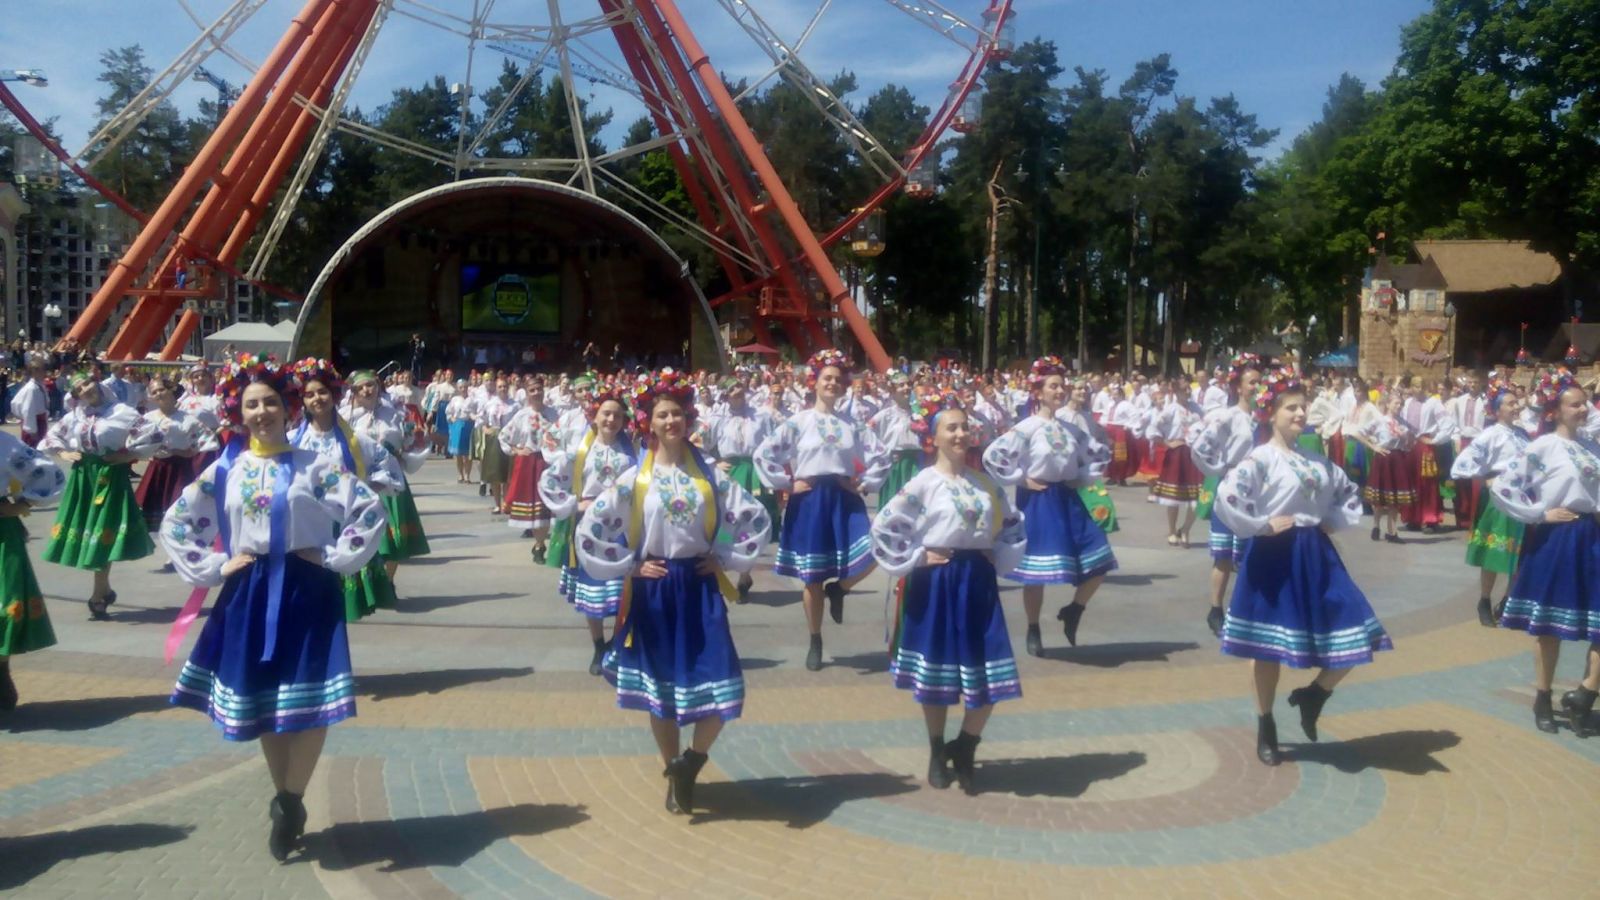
column 522, row 505
column 1180, row 478
column 163, row 480
column 1469, row 494
column 1428, row 507
column 1335, row 446
column 1119, row 470
column 1392, row 480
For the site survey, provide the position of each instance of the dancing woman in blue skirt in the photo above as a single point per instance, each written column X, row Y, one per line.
column 947, row 533
column 1048, row 460
column 275, row 527
column 1294, row 602
column 670, row 527
column 1554, row 488
column 826, row 460
column 1224, row 437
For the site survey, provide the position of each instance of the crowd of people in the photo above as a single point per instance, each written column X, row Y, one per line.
column 656, row 493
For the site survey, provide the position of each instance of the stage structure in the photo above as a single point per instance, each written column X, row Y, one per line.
column 241, row 189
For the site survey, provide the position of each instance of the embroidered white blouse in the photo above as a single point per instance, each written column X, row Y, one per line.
column 95, row 431
column 812, row 445
column 1223, row 438
column 1048, row 450
column 205, row 407
column 29, row 403
column 1389, row 433
column 329, row 510
column 390, row 426
column 1270, row 482
column 1490, row 452
column 892, row 425
column 160, row 436
column 732, row 433
column 30, row 475
column 529, row 429
column 673, row 524
column 1172, row 422
column 1551, row 473
column 936, row 511
column 384, row 473
column 602, row 465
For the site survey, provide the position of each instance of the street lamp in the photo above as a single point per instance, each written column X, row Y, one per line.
column 34, row 77
column 52, row 315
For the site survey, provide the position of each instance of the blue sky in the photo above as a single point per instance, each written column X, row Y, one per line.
column 1277, row 56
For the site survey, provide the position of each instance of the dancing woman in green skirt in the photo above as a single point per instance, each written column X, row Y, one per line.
column 732, row 436
column 24, row 625
column 1495, row 541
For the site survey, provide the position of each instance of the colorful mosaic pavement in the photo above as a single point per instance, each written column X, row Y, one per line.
column 484, row 761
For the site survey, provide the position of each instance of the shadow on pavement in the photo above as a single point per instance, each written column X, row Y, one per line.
column 756, row 663
column 1110, row 656
column 79, row 715
column 448, row 840
column 410, row 684
column 875, row 663
column 777, row 598
column 1405, row 752
column 1055, row 776
column 798, row 802
column 151, row 615
column 26, row 858
column 409, row 605
column 437, row 560
column 1138, row 580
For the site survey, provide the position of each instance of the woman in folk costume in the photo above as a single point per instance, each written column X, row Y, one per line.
column 525, row 440
column 1435, row 432
column 495, row 467
column 671, row 526
column 1359, row 413
column 31, row 479
column 732, row 438
column 274, row 526
column 1219, row 442
column 1294, row 602
column 948, row 533
column 892, row 425
column 171, row 439
column 435, row 406
column 200, row 401
column 578, row 473
column 99, row 521
column 1391, row 479
column 826, row 461
column 1322, row 415
column 458, row 411
column 1119, row 415
column 1096, row 499
column 371, row 415
column 1495, row 541
column 324, row 432
column 1048, row 461
column 1177, row 487
column 1553, row 487
column 482, row 393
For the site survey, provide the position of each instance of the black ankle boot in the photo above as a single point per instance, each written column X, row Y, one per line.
column 1579, row 704
column 1543, row 716
column 683, row 771
column 1485, row 612
column 598, row 657
column 1035, row 642
column 962, row 753
column 288, row 814
column 1267, row 740
column 835, row 592
column 1309, row 699
column 1070, row 615
column 8, row 688
column 814, row 654
column 938, row 763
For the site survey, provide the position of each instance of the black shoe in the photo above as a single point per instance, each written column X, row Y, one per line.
column 962, row 752
column 8, row 689
column 1543, row 716
column 938, row 764
column 814, row 655
column 527, row 534
column 1393, row 539
column 1578, row 704
column 1499, row 610
column 1214, row 619
column 1070, row 616
column 835, row 592
column 745, row 583
column 1035, row 642
column 97, row 611
column 539, row 552
column 111, row 597
column 1267, row 740
column 1309, row 699
column 1375, row 534
column 683, row 771
column 168, row 568
column 599, row 655
column 1485, row 613
column 483, row 490
column 288, row 814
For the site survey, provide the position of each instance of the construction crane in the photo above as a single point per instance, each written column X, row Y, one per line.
column 226, row 92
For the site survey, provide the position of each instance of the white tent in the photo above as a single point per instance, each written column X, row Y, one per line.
column 251, row 337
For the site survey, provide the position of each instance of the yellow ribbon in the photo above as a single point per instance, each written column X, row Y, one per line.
column 264, row 449
column 356, row 456
column 577, row 493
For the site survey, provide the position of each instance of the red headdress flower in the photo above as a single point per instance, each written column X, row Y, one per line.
column 320, row 370
column 1043, row 368
column 1554, row 382
column 248, row 369
column 668, row 383
column 1240, row 363
column 925, row 410
column 1278, row 381
column 823, row 359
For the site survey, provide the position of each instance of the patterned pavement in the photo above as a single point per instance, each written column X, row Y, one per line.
column 485, row 762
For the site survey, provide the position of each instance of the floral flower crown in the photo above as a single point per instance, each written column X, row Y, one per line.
column 1495, row 393
column 823, row 359
column 669, row 384
column 608, row 395
column 1277, row 382
column 1554, row 382
column 925, row 412
column 1043, row 368
column 1241, row 362
column 80, row 377
column 320, row 370
column 250, row 368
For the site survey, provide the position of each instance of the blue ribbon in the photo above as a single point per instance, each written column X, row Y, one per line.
column 277, row 549
column 338, row 434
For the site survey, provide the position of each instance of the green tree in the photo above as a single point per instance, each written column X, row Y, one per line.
column 144, row 166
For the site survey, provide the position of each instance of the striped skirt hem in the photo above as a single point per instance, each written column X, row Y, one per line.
column 1303, row 649
column 636, row 690
column 1543, row 620
column 947, row 684
column 289, row 708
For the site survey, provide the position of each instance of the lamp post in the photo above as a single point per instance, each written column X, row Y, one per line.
column 34, row 77
column 1450, row 338
column 52, row 315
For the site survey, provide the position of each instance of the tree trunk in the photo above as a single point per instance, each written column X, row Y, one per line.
column 1083, row 320
column 1128, row 301
column 991, row 274
column 1030, row 329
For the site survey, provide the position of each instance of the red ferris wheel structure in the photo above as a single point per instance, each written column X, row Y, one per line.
column 238, row 195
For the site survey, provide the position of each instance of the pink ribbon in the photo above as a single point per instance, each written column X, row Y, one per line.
column 180, row 626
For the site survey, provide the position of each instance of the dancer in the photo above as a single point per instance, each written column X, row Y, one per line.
column 826, row 461
column 577, row 474
column 383, row 423
column 1222, row 439
column 1096, row 499
column 733, row 436
column 1495, row 541
column 892, row 425
column 671, row 526
column 1047, row 461
column 525, row 440
column 1554, row 488
column 458, row 412
column 24, row 622
column 1177, row 486
column 99, row 521
column 948, row 533
column 324, row 432
column 1294, row 602
column 171, row 439
column 31, row 403
column 1391, row 484
column 495, row 466
column 273, row 660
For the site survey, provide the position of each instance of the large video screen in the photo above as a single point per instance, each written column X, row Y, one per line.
column 520, row 298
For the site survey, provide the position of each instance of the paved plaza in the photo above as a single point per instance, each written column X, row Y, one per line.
column 486, row 762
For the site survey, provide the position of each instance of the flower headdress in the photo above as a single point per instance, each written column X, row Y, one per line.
column 1278, row 381
column 823, row 359
column 362, row 376
column 1043, row 368
column 925, row 410
column 80, row 377
column 320, row 370
column 668, row 383
column 1496, row 392
column 1555, row 381
column 248, row 369
column 1240, row 363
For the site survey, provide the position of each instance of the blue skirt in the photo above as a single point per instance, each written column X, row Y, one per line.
column 441, row 422
column 1065, row 545
column 673, row 656
column 826, row 534
column 461, row 438
column 1294, row 603
column 952, row 643
column 1557, row 588
column 594, row 598
column 1225, row 545
column 307, row 683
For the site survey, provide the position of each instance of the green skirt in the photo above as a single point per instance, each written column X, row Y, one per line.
column 368, row 591
column 1208, row 496
column 404, row 538
column 1495, row 540
column 24, row 624
column 1311, row 442
column 495, row 467
column 478, row 443
column 556, row 552
column 1102, row 509
column 99, row 521
column 742, row 472
column 906, row 465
